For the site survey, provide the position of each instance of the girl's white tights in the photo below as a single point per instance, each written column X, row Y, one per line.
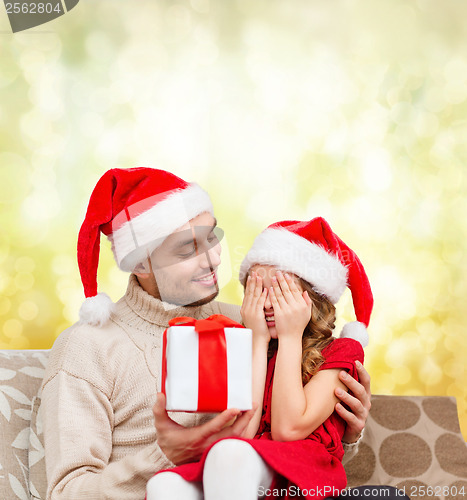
column 233, row 470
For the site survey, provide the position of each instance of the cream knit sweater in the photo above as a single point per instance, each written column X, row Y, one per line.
column 97, row 397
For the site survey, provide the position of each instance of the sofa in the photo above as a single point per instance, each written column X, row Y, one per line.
column 411, row 442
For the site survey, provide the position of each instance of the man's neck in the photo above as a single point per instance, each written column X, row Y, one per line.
column 149, row 285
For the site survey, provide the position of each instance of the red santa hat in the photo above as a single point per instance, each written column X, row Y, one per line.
column 136, row 208
column 313, row 252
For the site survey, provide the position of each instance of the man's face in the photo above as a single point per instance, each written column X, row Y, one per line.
column 185, row 265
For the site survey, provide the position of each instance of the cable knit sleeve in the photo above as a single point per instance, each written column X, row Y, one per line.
column 351, row 449
column 78, row 424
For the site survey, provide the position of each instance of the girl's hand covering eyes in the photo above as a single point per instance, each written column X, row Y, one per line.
column 292, row 308
column 252, row 309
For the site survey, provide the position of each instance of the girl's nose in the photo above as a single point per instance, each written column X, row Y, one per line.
column 267, row 303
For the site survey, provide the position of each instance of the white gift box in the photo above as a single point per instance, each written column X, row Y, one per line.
column 182, row 381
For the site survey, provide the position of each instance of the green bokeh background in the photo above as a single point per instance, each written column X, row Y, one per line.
column 281, row 109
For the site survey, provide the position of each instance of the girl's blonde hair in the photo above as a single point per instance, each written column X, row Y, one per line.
column 318, row 332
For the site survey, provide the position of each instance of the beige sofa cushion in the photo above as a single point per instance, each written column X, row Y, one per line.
column 415, row 444
column 411, row 442
column 21, row 374
column 36, row 455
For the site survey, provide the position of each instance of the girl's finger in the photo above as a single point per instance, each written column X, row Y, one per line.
column 248, row 293
column 253, row 279
column 253, row 284
column 249, row 285
column 274, row 301
column 278, row 292
column 292, row 286
column 276, row 305
column 306, row 297
column 284, row 286
column 262, row 299
column 258, row 287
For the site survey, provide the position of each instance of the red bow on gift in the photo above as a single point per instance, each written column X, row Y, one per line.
column 212, row 359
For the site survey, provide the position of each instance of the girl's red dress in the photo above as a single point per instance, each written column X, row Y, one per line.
column 310, row 466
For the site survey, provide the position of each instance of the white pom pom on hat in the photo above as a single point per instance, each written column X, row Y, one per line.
column 357, row 331
column 312, row 251
column 96, row 310
column 136, row 208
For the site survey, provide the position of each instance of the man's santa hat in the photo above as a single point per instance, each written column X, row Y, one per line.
column 136, row 208
column 313, row 252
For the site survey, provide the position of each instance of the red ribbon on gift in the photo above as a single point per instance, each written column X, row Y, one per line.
column 212, row 359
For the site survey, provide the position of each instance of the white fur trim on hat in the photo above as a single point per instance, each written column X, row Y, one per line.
column 357, row 331
column 290, row 252
column 144, row 233
column 96, row 310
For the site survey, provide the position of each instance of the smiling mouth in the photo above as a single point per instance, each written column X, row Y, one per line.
column 207, row 280
column 270, row 320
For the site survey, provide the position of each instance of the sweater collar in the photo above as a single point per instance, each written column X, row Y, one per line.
column 156, row 311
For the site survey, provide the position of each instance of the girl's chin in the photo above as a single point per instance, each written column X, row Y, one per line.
column 272, row 332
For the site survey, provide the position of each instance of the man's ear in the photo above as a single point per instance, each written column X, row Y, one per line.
column 142, row 270
column 146, row 278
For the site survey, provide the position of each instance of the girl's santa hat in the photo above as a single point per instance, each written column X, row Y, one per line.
column 136, row 208
column 313, row 252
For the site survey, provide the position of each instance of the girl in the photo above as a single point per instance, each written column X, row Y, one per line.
column 293, row 275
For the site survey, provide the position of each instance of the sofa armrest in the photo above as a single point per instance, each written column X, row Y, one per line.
column 21, row 374
column 413, row 443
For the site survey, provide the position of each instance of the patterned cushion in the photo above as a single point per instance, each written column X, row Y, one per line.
column 21, row 374
column 413, row 443
column 36, row 455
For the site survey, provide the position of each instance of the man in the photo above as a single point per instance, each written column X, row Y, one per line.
column 100, row 385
